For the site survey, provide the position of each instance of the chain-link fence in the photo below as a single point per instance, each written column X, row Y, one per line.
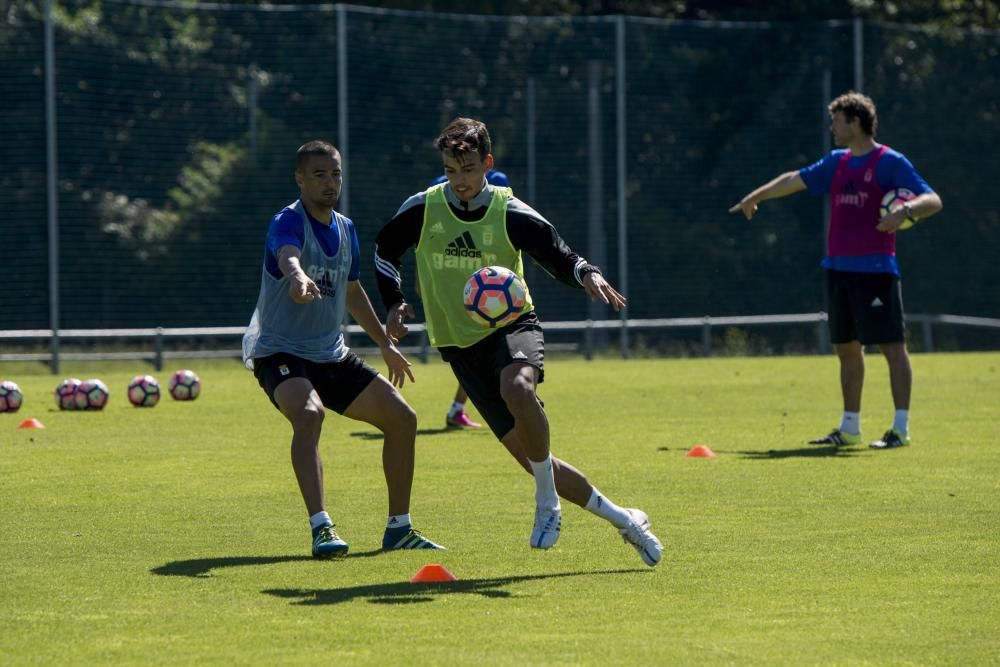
column 175, row 129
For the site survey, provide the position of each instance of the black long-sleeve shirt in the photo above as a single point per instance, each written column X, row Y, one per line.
column 527, row 230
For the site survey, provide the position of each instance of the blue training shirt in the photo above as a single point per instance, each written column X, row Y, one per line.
column 286, row 229
column 892, row 171
column 493, row 177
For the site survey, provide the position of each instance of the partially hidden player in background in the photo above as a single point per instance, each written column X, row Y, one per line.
column 295, row 347
column 500, row 368
column 864, row 296
column 456, row 416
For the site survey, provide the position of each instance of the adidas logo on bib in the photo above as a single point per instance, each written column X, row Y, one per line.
column 877, row 302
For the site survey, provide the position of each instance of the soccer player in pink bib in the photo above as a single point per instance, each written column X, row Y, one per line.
column 864, row 299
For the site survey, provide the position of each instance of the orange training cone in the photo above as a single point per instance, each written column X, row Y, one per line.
column 701, row 451
column 31, row 423
column 432, row 573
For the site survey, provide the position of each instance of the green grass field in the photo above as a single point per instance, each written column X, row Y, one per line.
column 177, row 535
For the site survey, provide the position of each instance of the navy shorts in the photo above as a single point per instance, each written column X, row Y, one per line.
column 478, row 367
column 867, row 307
column 338, row 383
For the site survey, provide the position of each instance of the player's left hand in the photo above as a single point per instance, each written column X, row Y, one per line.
column 597, row 287
column 892, row 222
column 399, row 366
column 395, row 321
column 746, row 206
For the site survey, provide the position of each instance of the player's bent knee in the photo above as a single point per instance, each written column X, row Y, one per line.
column 518, row 394
column 405, row 419
column 397, row 418
column 308, row 418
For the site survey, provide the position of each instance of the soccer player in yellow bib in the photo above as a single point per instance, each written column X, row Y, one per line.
column 456, row 228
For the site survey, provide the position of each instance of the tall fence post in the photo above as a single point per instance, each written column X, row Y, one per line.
column 158, row 347
column 928, row 337
column 531, row 142
column 252, row 86
column 596, row 245
column 343, row 138
column 52, row 183
column 859, row 55
column 826, row 91
column 823, row 335
column 621, row 166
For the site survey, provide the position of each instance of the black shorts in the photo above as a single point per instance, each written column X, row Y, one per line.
column 478, row 367
column 338, row 383
column 867, row 307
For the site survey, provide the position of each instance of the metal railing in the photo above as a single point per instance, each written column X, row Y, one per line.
column 161, row 335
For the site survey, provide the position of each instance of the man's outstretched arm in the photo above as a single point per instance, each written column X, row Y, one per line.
column 788, row 183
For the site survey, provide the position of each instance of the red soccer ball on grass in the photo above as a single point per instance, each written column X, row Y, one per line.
column 143, row 391
column 184, row 385
column 66, row 393
column 10, row 396
column 92, row 394
column 494, row 296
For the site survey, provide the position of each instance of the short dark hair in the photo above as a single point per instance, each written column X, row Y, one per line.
column 314, row 148
column 464, row 136
column 855, row 105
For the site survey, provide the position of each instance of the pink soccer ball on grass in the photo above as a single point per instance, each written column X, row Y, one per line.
column 66, row 393
column 184, row 385
column 92, row 394
column 494, row 296
column 143, row 391
column 10, row 396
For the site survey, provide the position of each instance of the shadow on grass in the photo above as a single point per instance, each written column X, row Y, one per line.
column 409, row 593
column 202, row 567
column 377, row 435
column 813, row 451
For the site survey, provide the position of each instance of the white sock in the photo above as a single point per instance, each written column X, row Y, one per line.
column 456, row 408
column 320, row 519
column 604, row 508
column 545, row 484
column 901, row 423
column 398, row 521
column 851, row 423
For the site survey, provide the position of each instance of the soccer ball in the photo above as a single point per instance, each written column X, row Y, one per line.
column 892, row 200
column 184, row 385
column 92, row 394
column 66, row 394
column 10, row 396
column 494, row 296
column 143, row 391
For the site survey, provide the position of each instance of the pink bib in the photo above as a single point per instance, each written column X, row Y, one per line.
column 855, row 197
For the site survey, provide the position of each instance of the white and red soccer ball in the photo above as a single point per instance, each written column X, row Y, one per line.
column 494, row 296
column 92, row 394
column 65, row 393
column 10, row 396
column 143, row 391
column 892, row 200
column 184, row 385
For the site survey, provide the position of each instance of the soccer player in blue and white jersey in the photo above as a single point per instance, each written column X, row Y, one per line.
column 295, row 347
column 865, row 302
